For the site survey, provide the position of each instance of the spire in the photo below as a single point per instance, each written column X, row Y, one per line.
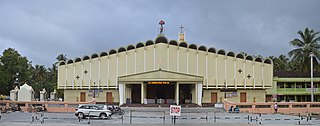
column 181, row 34
column 161, row 30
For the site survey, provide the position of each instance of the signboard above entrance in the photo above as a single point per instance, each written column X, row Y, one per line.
column 158, row 82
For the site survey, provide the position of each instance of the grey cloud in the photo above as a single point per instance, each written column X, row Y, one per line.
column 41, row 30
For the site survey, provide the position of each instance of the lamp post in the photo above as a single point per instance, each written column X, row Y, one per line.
column 311, row 55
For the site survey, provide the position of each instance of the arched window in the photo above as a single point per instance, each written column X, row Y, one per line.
column 183, row 44
column 231, row 54
column 139, row 45
column 192, row 46
column 130, row 47
column 112, row 51
column 222, row 52
column 103, row 54
column 121, row 49
column 85, row 58
column 212, row 50
column 203, row 48
column 173, row 42
column 162, row 39
column 149, row 42
column 94, row 56
column 77, row 59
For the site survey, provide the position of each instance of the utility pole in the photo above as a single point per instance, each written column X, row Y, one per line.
column 311, row 55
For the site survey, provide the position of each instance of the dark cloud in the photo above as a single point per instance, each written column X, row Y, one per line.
column 41, row 30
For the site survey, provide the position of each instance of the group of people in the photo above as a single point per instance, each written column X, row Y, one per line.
column 235, row 109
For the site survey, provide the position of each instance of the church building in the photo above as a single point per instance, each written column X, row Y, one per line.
column 163, row 71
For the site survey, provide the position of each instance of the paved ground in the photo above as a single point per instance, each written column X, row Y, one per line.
column 159, row 116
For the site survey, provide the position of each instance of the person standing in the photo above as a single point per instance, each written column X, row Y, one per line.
column 275, row 108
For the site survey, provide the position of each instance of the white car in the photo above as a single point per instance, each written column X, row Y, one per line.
column 95, row 111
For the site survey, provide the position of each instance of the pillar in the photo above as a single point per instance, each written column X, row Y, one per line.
column 177, row 93
column 199, row 93
column 121, row 93
column 142, row 93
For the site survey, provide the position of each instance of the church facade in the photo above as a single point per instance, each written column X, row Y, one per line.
column 165, row 72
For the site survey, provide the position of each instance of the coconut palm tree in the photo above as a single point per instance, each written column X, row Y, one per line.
column 304, row 47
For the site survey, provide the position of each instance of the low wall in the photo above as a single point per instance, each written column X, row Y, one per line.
column 51, row 106
column 268, row 107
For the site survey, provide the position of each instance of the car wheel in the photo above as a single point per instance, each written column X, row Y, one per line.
column 81, row 115
column 103, row 116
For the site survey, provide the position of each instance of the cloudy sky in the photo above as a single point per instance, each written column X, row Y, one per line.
column 43, row 29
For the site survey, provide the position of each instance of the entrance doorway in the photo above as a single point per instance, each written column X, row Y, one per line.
column 160, row 93
column 136, row 94
column 243, row 97
column 213, row 97
column 82, row 96
column 185, row 94
column 109, row 98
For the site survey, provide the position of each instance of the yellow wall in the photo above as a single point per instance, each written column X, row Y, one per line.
column 217, row 69
column 74, row 95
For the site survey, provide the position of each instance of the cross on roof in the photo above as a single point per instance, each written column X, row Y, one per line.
column 181, row 27
column 77, row 77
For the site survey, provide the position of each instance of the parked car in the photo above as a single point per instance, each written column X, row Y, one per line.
column 95, row 111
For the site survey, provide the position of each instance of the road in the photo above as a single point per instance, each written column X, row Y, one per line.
column 159, row 116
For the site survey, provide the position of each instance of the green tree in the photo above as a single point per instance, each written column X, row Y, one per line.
column 14, row 70
column 280, row 63
column 304, row 46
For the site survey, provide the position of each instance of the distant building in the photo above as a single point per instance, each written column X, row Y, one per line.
column 294, row 86
column 25, row 93
column 166, row 72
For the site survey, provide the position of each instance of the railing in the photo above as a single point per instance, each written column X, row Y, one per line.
column 268, row 107
column 50, row 106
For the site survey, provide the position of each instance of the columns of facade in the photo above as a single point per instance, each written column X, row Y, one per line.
column 122, row 88
column 177, row 93
column 65, row 84
column 99, row 71
column 199, row 93
column 108, row 72
column 178, row 60
column 154, row 57
column 142, row 93
column 187, row 61
column 168, row 54
column 81, row 82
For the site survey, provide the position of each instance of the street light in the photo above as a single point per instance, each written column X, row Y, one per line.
column 311, row 55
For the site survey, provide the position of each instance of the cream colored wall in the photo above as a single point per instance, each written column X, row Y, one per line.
column 113, row 70
column 259, row 96
column 95, row 72
column 258, row 74
column 140, row 59
column 192, row 63
column 182, row 60
column 202, row 70
column 104, row 71
column 131, row 62
column 161, row 56
column 217, row 69
column 212, row 69
column 230, row 71
column 149, row 58
column 74, row 95
column 173, row 57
